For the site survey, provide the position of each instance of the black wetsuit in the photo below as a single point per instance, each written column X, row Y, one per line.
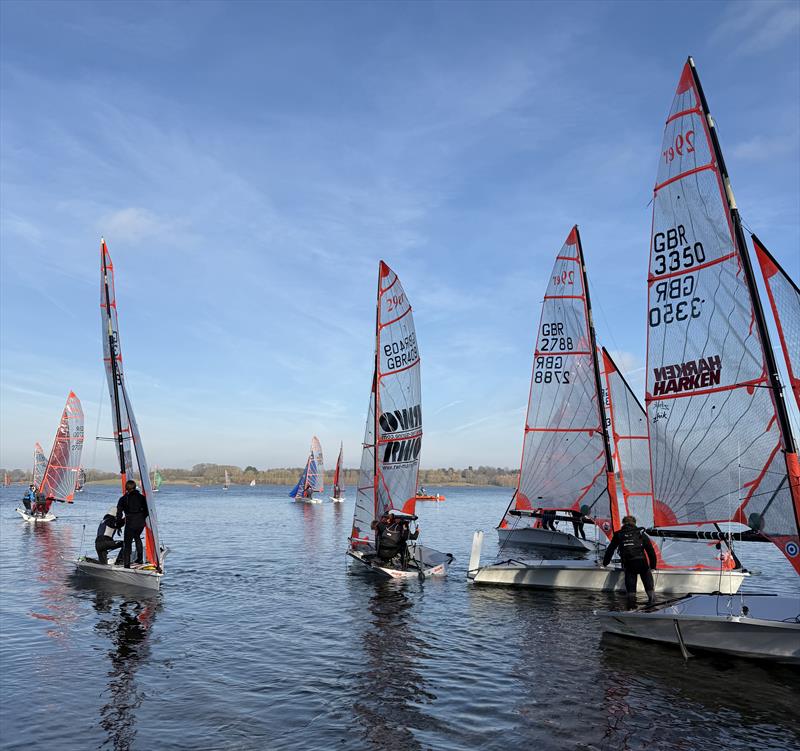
column 578, row 520
column 549, row 520
column 391, row 539
column 637, row 554
column 133, row 506
column 105, row 538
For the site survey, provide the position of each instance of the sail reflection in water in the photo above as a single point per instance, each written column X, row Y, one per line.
column 127, row 624
column 387, row 702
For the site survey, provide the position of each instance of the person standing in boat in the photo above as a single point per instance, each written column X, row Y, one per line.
column 549, row 520
column 388, row 536
column 29, row 498
column 578, row 520
column 638, row 556
column 405, row 536
column 132, row 507
column 104, row 541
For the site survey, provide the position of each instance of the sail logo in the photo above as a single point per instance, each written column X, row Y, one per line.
column 400, row 452
column 401, row 419
column 687, row 376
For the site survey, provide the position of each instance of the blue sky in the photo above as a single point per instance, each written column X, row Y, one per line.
column 250, row 163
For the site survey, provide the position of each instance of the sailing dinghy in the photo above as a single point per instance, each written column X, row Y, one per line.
column 612, row 412
column 312, row 479
column 392, row 440
column 227, row 482
column 81, row 481
column 252, row 483
column 721, row 441
column 157, row 480
column 39, row 465
column 61, row 471
column 338, row 490
column 128, row 444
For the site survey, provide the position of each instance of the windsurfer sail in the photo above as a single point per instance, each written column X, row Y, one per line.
column 392, row 440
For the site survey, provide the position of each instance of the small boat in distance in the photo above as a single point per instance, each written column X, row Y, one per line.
column 423, row 495
column 338, row 490
column 312, row 479
column 157, row 480
column 227, row 481
column 61, row 472
column 252, row 483
column 6, row 480
column 129, row 449
column 387, row 479
column 81, row 481
column 39, row 465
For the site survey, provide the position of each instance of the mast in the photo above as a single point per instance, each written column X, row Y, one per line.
column 376, row 391
column 115, row 373
column 610, row 477
column 749, row 277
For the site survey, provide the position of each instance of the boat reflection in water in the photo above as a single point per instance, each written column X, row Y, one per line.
column 126, row 621
column 50, row 546
column 390, row 688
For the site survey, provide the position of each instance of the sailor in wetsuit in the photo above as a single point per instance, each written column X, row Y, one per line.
column 638, row 556
column 390, row 537
column 104, row 541
column 133, row 507
column 29, row 498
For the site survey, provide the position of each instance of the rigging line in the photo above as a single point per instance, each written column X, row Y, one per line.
column 99, row 413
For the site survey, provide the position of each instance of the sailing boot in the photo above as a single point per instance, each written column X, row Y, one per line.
column 631, row 598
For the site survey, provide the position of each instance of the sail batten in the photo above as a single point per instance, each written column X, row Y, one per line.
column 715, row 415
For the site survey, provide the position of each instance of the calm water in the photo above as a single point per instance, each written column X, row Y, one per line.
column 261, row 639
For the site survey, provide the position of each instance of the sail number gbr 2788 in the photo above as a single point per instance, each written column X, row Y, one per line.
column 550, row 369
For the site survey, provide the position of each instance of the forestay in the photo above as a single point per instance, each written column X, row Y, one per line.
column 565, row 465
column 39, row 465
column 132, row 461
column 715, row 440
column 61, row 472
column 784, row 298
column 390, row 465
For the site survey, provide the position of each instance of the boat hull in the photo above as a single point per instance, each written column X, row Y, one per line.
column 768, row 632
column 544, row 538
column 424, row 563
column 588, row 575
column 307, row 500
column 337, row 500
column 426, row 497
column 127, row 577
column 48, row 517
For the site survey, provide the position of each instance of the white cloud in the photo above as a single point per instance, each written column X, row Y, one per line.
column 758, row 26
column 762, row 148
column 132, row 224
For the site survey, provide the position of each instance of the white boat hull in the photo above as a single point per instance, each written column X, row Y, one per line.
column 588, row 575
column 48, row 517
column 143, row 578
column 308, row 500
column 337, row 500
column 544, row 538
column 769, row 631
column 423, row 563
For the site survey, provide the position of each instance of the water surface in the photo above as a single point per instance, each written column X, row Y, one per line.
column 261, row 639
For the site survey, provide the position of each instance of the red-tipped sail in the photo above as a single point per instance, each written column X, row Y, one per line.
column 784, row 299
column 337, row 474
column 61, row 472
column 566, row 461
column 393, row 437
column 717, row 436
column 132, row 461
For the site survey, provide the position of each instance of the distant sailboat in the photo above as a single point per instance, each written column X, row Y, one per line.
column 721, row 442
column 252, row 483
column 6, row 479
column 157, row 480
column 81, row 481
column 227, row 480
column 130, row 452
column 312, row 480
column 61, row 471
column 338, row 490
column 39, row 466
column 387, row 480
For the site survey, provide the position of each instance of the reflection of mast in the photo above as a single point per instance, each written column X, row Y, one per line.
column 387, row 705
column 128, row 630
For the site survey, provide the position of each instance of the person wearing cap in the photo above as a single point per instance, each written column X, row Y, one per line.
column 133, row 507
column 29, row 498
column 638, row 556
column 104, row 541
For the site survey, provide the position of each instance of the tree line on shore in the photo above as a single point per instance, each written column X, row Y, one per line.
column 214, row 474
